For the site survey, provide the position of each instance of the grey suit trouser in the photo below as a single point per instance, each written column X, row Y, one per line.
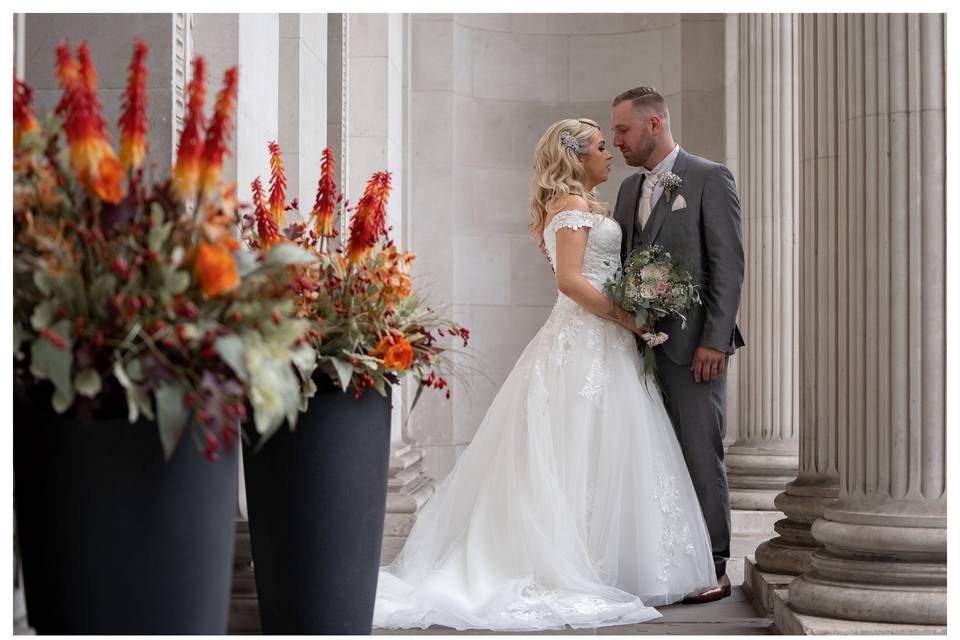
column 696, row 411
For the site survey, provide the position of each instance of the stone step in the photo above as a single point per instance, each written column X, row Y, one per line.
column 404, row 458
column 403, row 477
column 410, row 503
column 244, row 616
column 244, row 583
column 752, row 522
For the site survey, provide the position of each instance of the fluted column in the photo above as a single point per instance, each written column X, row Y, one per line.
column 823, row 327
column 884, row 555
column 764, row 457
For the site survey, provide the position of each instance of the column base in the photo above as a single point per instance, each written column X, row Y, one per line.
column 756, row 474
column 761, row 586
column 877, row 573
column 788, row 621
column 803, row 501
column 409, row 488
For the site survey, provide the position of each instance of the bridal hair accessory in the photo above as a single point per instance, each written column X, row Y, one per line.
column 567, row 140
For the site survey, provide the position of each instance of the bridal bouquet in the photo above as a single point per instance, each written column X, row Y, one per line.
column 128, row 292
column 653, row 285
column 367, row 324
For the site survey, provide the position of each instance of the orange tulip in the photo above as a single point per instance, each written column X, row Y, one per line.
column 215, row 270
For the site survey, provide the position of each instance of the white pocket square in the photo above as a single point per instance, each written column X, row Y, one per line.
column 678, row 203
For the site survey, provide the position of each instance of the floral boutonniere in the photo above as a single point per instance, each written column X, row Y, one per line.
column 670, row 183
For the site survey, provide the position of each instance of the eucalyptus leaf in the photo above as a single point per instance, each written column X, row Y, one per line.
column 230, row 349
column 42, row 281
column 172, row 415
column 42, row 315
column 286, row 253
column 88, row 383
column 159, row 233
column 177, row 281
column 344, row 372
column 55, row 363
column 60, row 401
column 247, row 263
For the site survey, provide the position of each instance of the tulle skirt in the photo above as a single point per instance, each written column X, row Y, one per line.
column 571, row 506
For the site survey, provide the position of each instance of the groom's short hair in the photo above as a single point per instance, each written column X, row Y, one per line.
column 645, row 99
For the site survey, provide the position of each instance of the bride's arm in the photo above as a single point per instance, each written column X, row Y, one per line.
column 571, row 243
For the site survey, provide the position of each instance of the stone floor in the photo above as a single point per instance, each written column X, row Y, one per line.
column 730, row 616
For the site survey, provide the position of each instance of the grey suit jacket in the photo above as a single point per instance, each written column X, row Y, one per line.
column 705, row 235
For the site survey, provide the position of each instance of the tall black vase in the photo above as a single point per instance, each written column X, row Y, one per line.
column 114, row 539
column 316, row 498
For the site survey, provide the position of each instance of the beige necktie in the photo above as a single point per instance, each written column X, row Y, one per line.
column 643, row 211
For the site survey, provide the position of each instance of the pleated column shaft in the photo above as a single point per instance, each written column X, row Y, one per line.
column 884, row 554
column 764, row 457
column 824, row 241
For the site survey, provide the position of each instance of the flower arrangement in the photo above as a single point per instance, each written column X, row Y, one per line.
column 367, row 324
column 136, row 291
column 653, row 285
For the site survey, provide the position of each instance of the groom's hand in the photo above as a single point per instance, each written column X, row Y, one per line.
column 708, row 363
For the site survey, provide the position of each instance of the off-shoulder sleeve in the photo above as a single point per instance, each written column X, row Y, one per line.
column 573, row 219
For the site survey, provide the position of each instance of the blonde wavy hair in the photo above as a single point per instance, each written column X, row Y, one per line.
column 558, row 171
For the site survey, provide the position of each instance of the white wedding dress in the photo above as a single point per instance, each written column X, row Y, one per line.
column 572, row 505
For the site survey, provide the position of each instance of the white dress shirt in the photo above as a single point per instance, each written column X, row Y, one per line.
column 665, row 166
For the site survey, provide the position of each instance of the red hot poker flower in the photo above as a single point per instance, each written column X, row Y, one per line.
column 92, row 158
column 23, row 118
column 186, row 172
column 326, row 195
column 267, row 227
column 133, row 119
column 369, row 220
column 215, row 146
column 278, row 184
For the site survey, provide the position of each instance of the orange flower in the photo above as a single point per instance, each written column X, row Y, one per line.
column 186, row 171
column 395, row 352
column 326, row 193
column 278, row 184
column 91, row 156
column 369, row 220
column 133, row 120
column 215, row 269
column 23, row 118
column 215, row 146
column 267, row 227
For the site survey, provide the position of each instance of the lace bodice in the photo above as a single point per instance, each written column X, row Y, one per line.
column 601, row 257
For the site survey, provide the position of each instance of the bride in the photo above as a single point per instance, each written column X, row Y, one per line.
column 572, row 505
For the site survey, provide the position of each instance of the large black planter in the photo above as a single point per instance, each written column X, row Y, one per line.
column 113, row 538
column 316, row 499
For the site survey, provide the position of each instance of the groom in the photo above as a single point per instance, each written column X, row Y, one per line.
column 688, row 205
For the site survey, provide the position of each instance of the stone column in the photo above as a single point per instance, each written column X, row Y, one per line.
column 302, row 110
column 823, row 244
column 110, row 38
column 764, row 457
column 885, row 540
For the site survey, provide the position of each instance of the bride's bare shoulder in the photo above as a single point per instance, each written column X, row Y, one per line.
column 569, row 202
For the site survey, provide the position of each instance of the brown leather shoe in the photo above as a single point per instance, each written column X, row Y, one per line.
column 712, row 594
